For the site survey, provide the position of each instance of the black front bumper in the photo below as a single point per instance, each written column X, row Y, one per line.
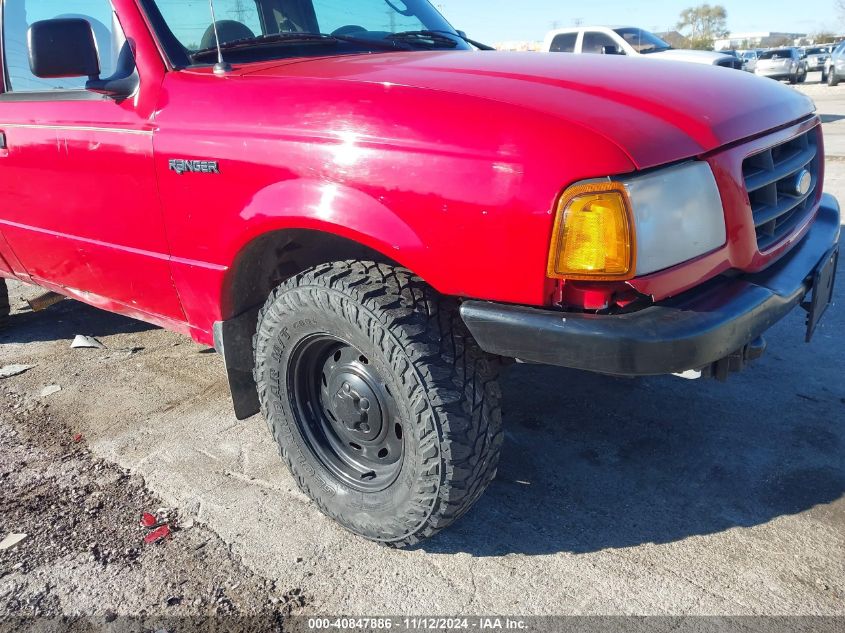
column 690, row 332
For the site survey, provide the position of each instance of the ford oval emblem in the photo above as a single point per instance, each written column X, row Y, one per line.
column 803, row 182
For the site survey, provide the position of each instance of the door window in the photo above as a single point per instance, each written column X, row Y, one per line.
column 594, row 41
column 564, row 43
column 18, row 15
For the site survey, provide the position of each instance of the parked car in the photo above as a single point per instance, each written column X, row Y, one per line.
column 816, row 57
column 749, row 60
column 629, row 40
column 782, row 63
column 835, row 66
column 367, row 218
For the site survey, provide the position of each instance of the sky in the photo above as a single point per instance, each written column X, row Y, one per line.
column 501, row 20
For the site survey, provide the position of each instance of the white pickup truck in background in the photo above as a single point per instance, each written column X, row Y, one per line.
column 629, row 40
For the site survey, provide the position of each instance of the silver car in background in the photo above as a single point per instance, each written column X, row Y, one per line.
column 749, row 60
column 835, row 50
column 782, row 63
column 816, row 57
column 835, row 67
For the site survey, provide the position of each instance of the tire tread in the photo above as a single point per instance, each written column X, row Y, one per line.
column 446, row 376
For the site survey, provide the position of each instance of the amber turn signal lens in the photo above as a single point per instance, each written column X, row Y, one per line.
column 593, row 234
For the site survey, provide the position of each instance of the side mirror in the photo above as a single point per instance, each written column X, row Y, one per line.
column 63, row 48
column 611, row 50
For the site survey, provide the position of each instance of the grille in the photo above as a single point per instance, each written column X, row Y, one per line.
column 771, row 180
column 734, row 63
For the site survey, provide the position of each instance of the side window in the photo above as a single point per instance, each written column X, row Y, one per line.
column 18, row 15
column 564, row 43
column 595, row 41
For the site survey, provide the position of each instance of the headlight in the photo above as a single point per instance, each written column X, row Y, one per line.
column 637, row 226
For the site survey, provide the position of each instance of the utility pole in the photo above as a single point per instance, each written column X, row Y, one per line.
column 239, row 11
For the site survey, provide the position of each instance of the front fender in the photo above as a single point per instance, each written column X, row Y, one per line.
column 332, row 208
column 309, row 204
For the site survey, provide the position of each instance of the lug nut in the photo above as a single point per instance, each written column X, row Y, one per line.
column 365, row 404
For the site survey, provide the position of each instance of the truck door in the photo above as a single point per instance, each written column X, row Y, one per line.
column 595, row 42
column 80, row 203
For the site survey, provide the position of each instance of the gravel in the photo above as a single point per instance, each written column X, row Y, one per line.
column 82, row 552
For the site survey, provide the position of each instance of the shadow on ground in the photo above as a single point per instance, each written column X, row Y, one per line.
column 593, row 462
column 64, row 321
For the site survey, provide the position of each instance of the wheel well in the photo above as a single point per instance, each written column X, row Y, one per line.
column 264, row 264
column 279, row 255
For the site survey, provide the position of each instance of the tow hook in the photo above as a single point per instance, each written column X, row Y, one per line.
column 722, row 368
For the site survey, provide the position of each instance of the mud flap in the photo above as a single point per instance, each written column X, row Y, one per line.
column 233, row 341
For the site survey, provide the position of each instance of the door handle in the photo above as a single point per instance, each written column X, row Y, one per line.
column 3, row 140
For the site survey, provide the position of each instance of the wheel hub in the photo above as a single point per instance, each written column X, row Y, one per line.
column 355, row 405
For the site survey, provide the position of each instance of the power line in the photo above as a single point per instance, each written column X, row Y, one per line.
column 239, row 11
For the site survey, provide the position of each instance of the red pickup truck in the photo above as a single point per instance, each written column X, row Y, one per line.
column 366, row 215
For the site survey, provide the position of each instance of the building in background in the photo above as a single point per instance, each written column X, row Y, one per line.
column 763, row 39
column 518, row 46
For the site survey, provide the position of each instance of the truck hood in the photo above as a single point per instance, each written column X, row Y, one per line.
column 683, row 55
column 656, row 113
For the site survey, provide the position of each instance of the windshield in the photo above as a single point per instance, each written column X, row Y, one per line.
column 782, row 54
column 816, row 51
column 254, row 30
column 642, row 41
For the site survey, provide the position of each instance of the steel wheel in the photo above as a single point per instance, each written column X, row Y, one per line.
column 346, row 413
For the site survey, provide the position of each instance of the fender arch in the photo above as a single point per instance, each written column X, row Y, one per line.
column 295, row 224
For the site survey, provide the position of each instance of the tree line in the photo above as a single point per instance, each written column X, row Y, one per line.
column 706, row 23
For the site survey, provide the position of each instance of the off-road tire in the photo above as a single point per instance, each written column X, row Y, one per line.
column 4, row 303
column 444, row 386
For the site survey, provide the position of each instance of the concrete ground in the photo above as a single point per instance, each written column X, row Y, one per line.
column 654, row 496
column 831, row 106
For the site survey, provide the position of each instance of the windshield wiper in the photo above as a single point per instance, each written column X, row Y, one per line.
column 429, row 39
column 656, row 49
column 462, row 35
column 292, row 38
